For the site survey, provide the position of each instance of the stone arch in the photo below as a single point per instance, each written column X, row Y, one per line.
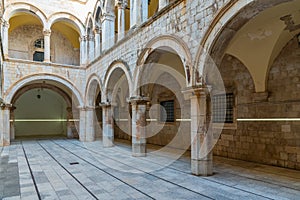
column 227, row 21
column 44, row 86
column 172, row 42
column 10, row 93
column 91, row 89
column 63, row 16
column 111, row 69
column 24, row 7
column 98, row 6
column 90, row 23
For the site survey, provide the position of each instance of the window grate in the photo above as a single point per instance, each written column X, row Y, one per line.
column 167, row 113
column 223, row 108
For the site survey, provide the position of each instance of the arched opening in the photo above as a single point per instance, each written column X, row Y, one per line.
column 118, row 95
column 25, row 33
column 152, row 7
column 43, row 109
column 94, row 102
column 65, row 46
column 90, row 41
column 258, row 64
column 168, row 112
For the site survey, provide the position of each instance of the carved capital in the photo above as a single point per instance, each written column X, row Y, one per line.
column 47, row 32
column 138, row 100
column 97, row 30
column 107, row 16
column 121, row 4
column 4, row 23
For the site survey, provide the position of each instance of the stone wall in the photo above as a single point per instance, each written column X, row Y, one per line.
column 16, row 70
column 273, row 142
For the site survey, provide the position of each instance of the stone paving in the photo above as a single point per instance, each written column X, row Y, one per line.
column 69, row 169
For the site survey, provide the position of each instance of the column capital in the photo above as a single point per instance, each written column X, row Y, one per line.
column 47, row 32
column 6, row 106
column 97, row 30
column 121, row 4
column 108, row 16
column 4, row 23
column 138, row 100
column 85, row 108
column 197, row 90
column 83, row 38
column 105, row 104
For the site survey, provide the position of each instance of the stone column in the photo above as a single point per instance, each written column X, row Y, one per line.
column 97, row 32
column 70, row 124
column 5, row 124
column 138, row 105
column 47, row 50
column 108, row 30
column 121, row 4
column 5, row 27
column 107, row 125
column 162, row 4
column 201, row 137
column 83, row 46
column 82, row 120
column 91, row 49
column 89, row 126
column 12, row 123
column 138, row 12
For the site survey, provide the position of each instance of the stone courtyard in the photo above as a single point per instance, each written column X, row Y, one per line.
column 69, row 169
column 150, row 99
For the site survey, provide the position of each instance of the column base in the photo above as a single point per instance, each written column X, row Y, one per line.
column 139, row 150
column 202, row 167
column 90, row 139
column 108, row 141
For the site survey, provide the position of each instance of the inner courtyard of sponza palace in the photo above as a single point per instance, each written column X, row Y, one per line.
column 149, row 99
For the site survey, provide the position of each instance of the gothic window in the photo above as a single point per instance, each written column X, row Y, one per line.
column 223, row 105
column 167, row 112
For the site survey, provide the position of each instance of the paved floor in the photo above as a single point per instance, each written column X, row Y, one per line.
column 69, row 169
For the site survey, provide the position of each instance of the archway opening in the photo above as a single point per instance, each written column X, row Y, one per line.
column 118, row 94
column 43, row 110
column 258, row 60
column 25, row 29
column 168, row 112
column 65, row 46
column 94, row 101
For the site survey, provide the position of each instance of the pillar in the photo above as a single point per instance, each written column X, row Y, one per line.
column 121, row 5
column 5, row 26
column 89, row 126
column 71, row 128
column 82, row 119
column 83, row 50
column 107, row 125
column 108, row 30
column 5, row 124
column 201, row 136
column 138, row 12
column 162, row 4
column 12, row 123
column 47, row 51
column 91, row 49
column 138, row 106
column 97, row 32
